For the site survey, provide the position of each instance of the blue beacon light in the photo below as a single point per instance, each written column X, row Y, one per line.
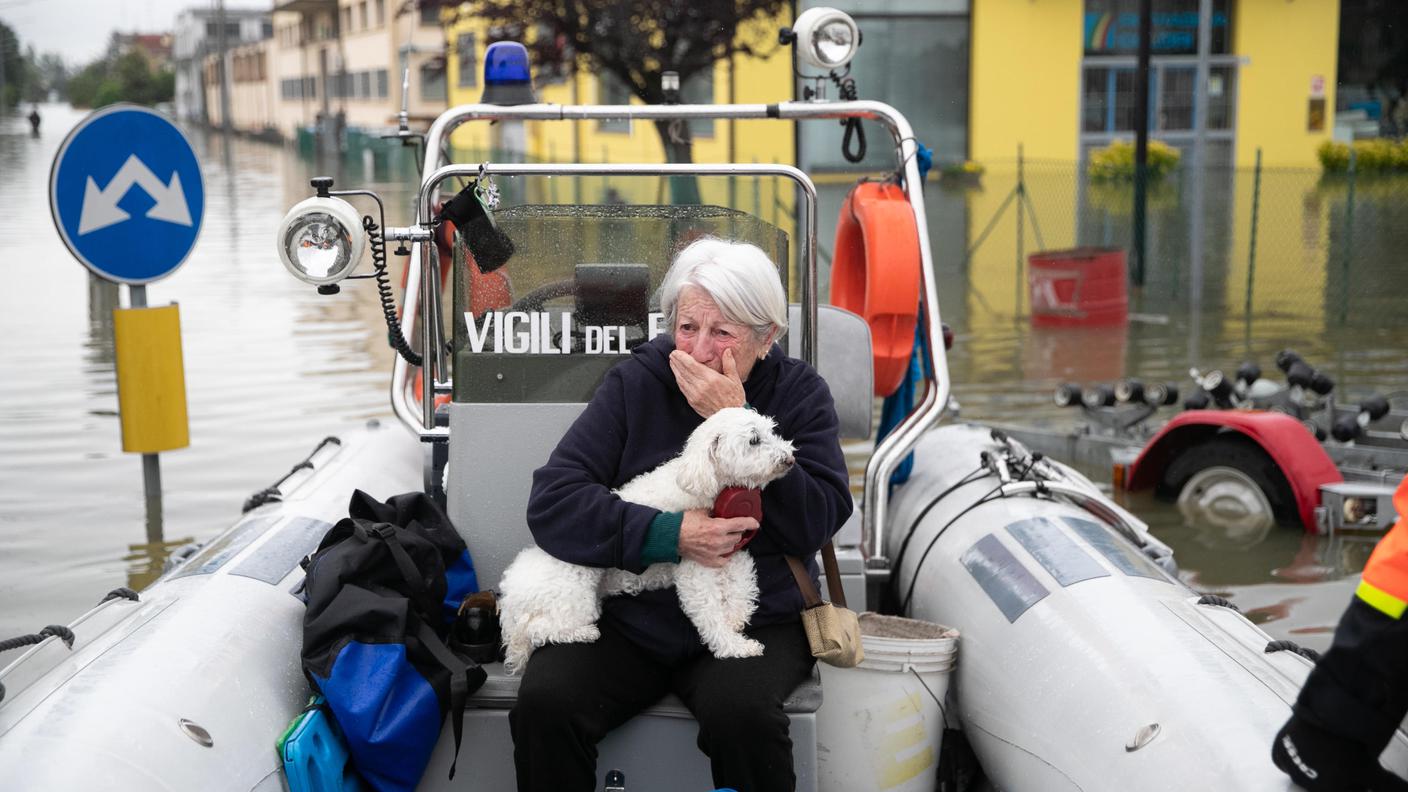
column 507, row 79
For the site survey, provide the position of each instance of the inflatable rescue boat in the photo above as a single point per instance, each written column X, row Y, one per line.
column 1083, row 662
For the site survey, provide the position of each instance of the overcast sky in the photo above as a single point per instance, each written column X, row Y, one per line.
column 79, row 29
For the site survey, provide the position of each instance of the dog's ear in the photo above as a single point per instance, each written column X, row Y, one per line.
column 696, row 473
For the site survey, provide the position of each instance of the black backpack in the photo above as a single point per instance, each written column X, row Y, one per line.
column 382, row 590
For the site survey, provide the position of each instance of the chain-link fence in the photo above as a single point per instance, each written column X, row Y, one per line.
column 1258, row 260
column 1252, row 243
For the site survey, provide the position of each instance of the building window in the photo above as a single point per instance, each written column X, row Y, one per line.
column 611, row 91
column 430, row 15
column 1108, row 98
column 266, row 29
column 232, row 30
column 347, row 20
column 464, row 49
column 556, row 58
column 699, row 89
column 297, row 88
column 380, row 12
column 1176, row 98
column 1221, row 90
column 1112, row 27
column 381, row 83
column 364, row 85
column 432, row 82
column 362, row 10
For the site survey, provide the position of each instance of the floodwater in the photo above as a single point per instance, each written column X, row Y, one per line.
column 272, row 367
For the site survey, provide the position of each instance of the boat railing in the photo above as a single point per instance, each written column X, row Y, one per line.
column 423, row 288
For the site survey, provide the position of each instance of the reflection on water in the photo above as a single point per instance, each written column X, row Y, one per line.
column 271, row 367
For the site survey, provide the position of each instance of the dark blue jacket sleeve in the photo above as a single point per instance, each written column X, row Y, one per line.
column 572, row 513
column 803, row 509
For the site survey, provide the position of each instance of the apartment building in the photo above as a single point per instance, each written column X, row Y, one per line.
column 339, row 64
column 196, row 37
column 252, row 90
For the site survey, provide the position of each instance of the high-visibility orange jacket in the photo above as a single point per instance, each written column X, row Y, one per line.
column 1358, row 690
column 1384, row 585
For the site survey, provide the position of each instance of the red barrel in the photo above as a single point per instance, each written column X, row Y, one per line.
column 1081, row 286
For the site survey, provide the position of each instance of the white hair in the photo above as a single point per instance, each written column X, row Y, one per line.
column 737, row 276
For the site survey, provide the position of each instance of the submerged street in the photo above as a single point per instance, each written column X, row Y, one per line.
column 272, row 367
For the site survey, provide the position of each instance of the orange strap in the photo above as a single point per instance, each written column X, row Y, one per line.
column 1385, row 581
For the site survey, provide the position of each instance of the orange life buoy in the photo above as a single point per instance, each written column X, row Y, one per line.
column 489, row 291
column 875, row 272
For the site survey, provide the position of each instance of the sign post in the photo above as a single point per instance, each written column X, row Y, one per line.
column 127, row 198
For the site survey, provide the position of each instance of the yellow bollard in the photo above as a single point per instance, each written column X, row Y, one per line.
column 151, row 380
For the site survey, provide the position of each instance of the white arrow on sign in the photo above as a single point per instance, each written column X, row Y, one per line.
column 100, row 208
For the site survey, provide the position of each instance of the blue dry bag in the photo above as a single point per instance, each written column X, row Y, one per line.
column 382, row 590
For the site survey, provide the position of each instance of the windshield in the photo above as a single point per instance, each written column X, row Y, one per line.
column 578, row 294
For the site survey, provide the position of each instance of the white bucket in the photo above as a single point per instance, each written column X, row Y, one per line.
column 881, row 724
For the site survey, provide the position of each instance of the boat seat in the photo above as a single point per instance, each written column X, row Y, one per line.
column 500, row 691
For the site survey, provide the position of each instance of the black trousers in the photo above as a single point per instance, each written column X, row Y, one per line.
column 573, row 694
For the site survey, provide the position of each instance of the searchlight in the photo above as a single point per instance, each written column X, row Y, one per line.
column 321, row 239
column 825, row 38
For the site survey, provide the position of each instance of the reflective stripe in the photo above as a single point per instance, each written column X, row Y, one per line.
column 1116, row 550
column 1067, row 561
column 1380, row 600
column 1010, row 586
column 1387, row 568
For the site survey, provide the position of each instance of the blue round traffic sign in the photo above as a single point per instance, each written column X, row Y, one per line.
column 127, row 195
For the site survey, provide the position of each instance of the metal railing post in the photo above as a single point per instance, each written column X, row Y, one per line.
column 1251, row 250
column 1348, row 238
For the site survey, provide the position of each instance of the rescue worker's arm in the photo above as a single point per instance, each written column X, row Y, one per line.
column 1357, row 695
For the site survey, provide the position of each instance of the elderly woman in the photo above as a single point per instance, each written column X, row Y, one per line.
column 725, row 305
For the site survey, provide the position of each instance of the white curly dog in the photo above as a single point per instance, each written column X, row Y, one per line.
column 544, row 600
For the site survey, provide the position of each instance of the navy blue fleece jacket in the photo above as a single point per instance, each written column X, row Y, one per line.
column 639, row 419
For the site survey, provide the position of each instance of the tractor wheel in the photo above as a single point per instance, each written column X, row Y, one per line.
column 1230, row 484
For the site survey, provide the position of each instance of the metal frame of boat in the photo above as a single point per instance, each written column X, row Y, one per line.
column 888, row 453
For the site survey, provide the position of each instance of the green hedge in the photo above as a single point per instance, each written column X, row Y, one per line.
column 1375, row 155
column 1115, row 162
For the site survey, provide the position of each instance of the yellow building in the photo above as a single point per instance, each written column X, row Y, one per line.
column 741, row 79
column 1057, row 78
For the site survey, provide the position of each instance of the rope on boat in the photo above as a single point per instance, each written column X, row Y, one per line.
column 272, row 493
column 56, row 630
column 121, row 592
column 1291, row 646
column 1221, row 602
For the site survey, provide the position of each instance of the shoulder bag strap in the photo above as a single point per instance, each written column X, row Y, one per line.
column 833, row 578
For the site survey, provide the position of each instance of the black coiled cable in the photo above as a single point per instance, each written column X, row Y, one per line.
column 383, row 285
column 847, row 89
